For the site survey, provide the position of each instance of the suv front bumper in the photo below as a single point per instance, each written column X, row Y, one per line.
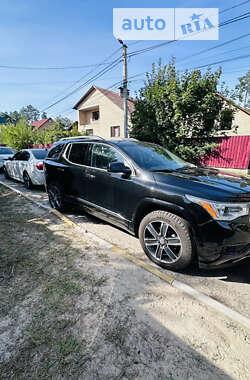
column 223, row 243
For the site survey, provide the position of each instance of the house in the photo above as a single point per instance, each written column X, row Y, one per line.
column 42, row 124
column 100, row 112
column 241, row 122
column 233, row 151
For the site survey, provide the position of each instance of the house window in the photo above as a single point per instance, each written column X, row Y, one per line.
column 115, row 131
column 95, row 115
column 89, row 132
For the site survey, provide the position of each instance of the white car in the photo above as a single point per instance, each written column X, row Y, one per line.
column 5, row 153
column 26, row 166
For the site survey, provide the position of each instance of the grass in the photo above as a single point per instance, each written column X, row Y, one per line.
column 40, row 281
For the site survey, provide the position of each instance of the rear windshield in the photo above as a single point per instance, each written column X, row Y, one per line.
column 7, row 151
column 40, row 154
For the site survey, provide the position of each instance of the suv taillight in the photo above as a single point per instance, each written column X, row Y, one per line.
column 39, row 166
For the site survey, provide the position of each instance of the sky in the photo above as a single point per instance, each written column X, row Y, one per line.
column 59, row 33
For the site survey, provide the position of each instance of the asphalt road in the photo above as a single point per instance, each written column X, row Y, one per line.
column 230, row 286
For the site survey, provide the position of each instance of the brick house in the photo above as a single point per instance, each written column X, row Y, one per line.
column 42, row 124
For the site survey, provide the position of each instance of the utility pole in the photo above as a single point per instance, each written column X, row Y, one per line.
column 125, row 88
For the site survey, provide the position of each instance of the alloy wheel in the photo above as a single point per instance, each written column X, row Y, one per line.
column 27, row 180
column 162, row 242
column 54, row 197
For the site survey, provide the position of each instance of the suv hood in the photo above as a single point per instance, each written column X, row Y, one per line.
column 207, row 183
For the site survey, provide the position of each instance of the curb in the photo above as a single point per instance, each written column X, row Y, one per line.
column 202, row 298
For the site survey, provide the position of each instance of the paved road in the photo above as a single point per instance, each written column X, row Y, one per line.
column 230, row 286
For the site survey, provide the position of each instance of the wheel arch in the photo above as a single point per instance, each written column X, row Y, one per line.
column 151, row 204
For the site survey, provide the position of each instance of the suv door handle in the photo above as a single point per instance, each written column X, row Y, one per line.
column 60, row 169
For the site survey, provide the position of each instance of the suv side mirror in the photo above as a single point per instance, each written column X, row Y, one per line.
column 119, row 167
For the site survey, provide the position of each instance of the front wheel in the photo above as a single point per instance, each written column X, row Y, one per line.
column 165, row 238
column 55, row 195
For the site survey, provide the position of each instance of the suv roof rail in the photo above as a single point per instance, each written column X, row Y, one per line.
column 83, row 137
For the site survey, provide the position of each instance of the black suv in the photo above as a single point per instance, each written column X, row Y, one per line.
column 179, row 211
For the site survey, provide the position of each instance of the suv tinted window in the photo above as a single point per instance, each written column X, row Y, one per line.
column 55, row 151
column 78, row 153
column 102, row 155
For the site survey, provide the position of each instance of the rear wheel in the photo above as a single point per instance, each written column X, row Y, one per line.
column 6, row 173
column 27, row 181
column 56, row 198
column 165, row 238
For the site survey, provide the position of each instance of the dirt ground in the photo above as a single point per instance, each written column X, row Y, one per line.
column 70, row 309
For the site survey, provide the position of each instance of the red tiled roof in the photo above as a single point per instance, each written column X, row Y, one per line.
column 111, row 95
column 39, row 123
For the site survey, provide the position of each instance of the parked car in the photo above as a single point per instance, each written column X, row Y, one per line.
column 26, row 166
column 5, row 153
column 179, row 211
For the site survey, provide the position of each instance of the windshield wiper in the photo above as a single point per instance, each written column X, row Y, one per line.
column 163, row 170
column 186, row 167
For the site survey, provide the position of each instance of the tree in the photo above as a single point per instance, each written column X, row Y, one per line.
column 64, row 122
column 28, row 113
column 43, row 115
column 181, row 112
column 18, row 136
column 243, row 90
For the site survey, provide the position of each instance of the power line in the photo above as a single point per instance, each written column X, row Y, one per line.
column 83, row 77
column 116, row 62
column 215, row 47
column 102, row 72
column 50, row 68
column 152, row 47
column 222, row 11
column 223, row 61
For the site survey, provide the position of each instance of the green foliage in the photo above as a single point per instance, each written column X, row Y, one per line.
column 54, row 133
column 18, row 136
column 243, row 90
column 28, row 113
column 180, row 112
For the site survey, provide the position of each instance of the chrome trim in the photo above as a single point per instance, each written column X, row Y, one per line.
column 102, row 209
column 92, row 167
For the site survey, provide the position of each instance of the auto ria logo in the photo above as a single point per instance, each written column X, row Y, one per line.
column 165, row 23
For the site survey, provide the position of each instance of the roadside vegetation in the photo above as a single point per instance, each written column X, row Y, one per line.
column 181, row 111
column 40, row 285
column 18, row 133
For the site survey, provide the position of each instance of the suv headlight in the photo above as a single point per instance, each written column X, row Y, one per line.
column 221, row 211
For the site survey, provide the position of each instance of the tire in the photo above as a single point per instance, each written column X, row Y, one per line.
column 27, row 181
column 6, row 173
column 56, row 198
column 157, row 231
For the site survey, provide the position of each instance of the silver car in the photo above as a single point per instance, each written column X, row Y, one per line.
column 26, row 166
column 5, row 153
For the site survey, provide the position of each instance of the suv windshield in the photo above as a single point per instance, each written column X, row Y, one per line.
column 7, row 151
column 154, row 157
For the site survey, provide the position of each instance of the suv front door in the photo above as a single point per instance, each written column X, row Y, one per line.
column 100, row 183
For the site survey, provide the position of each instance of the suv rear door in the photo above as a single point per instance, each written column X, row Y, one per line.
column 76, row 157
